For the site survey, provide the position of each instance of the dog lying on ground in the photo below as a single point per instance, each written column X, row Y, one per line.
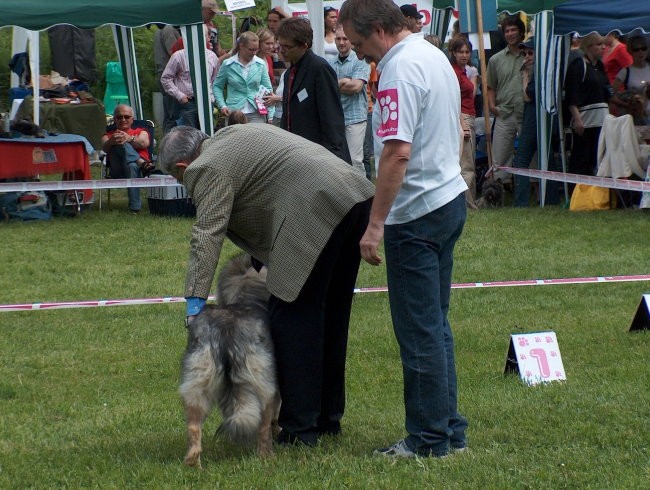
column 229, row 362
column 491, row 194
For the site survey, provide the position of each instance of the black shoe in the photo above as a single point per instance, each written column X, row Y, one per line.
column 286, row 438
column 329, row 428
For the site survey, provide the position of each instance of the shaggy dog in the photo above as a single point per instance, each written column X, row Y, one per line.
column 491, row 194
column 229, row 362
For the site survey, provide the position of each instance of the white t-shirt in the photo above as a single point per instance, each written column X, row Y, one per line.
column 639, row 78
column 329, row 51
column 418, row 101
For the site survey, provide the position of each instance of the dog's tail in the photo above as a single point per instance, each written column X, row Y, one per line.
column 241, row 409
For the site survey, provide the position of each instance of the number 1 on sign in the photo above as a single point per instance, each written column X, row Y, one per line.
column 542, row 362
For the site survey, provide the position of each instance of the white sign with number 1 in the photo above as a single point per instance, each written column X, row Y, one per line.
column 536, row 357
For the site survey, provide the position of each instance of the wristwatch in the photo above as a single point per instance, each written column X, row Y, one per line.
column 132, row 139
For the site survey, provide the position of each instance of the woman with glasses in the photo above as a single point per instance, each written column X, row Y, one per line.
column 635, row 78
column 242, row 76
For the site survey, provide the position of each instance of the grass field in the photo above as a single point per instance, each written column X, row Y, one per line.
column 88, row 396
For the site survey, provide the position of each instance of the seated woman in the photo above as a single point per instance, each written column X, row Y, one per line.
column 127, row 149
column 635, row 81
column 242, row 75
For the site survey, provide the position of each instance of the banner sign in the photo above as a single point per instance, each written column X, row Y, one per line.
column 233, row 5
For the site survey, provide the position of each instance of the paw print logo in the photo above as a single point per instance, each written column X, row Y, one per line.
column 523, row 341
column 389, row 109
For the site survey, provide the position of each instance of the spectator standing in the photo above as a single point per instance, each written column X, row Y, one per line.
column 329, row 44
column 127, row 149
column 419, row 211
column 352, row 74
column 505, row 96
column 163, row 41
column 209, row 9
column 177, row 82
column 413, row 17
column 368, row 144
column 267, row 51
column 587, row 92
column 461, row 50
column 616, row 57
column 242, row 76
column 311, row 106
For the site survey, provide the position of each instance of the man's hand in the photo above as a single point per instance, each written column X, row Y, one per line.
column 189, row 320
column 370, row 243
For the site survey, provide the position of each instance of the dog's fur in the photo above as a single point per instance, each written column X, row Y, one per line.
column 229, row 362
column 491, row 194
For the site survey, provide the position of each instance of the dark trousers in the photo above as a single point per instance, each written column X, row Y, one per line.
column 310, row 335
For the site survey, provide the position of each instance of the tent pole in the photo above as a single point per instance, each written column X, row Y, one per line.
column 486, row 105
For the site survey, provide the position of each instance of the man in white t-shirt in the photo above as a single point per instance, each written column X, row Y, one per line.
column 419, row 211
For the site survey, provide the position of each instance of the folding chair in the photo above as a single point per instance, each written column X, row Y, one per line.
column 106, row 167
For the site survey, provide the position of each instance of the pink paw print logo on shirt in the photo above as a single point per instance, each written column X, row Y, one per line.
column 389, row 109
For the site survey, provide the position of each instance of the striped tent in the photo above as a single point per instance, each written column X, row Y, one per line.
column 124, row 15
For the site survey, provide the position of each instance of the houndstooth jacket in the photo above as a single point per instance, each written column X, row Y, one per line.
column 276, row 195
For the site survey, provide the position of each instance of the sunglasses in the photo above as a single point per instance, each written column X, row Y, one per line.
column 529, row 53
column 640, row 48
column 329, row 9
column 120, row 117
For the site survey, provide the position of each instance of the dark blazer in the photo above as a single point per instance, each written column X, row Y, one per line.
column 277, row 196
column 315, row 106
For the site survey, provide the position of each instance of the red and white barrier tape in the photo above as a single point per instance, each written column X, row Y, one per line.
column 467, row 285
column 70, row 185
column 624, row 184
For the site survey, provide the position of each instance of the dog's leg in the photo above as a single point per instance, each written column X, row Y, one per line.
column 277, row 401
column 265, row 436
column 195, row 417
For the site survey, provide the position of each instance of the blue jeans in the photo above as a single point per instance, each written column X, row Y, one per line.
column 124, row 165
column 188, row 114
column 419, row 260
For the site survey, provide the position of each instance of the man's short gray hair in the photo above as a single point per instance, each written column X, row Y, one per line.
column 181, row 144
column 367, row 15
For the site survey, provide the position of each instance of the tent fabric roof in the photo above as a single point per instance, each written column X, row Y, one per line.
column 528, row 6
column 585, row 16
column 37, row 15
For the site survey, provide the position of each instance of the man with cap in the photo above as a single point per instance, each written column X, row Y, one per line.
column 413, row 17
column 209, row 9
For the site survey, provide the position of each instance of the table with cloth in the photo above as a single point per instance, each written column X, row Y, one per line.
column 28, row 157
column 86, row 119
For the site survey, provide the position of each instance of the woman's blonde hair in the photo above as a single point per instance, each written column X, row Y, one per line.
column 245, row 38
column 591, row 39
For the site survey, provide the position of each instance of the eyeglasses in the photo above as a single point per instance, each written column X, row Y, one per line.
column 639, row 48
column 119, row 117
column 529, row 53
column 287, row 47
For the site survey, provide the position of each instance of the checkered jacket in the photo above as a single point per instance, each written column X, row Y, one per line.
column 276, row 195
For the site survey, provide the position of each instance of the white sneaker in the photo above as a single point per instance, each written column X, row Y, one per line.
column 397, row 450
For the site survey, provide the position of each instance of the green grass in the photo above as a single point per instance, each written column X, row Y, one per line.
column 88, row 396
